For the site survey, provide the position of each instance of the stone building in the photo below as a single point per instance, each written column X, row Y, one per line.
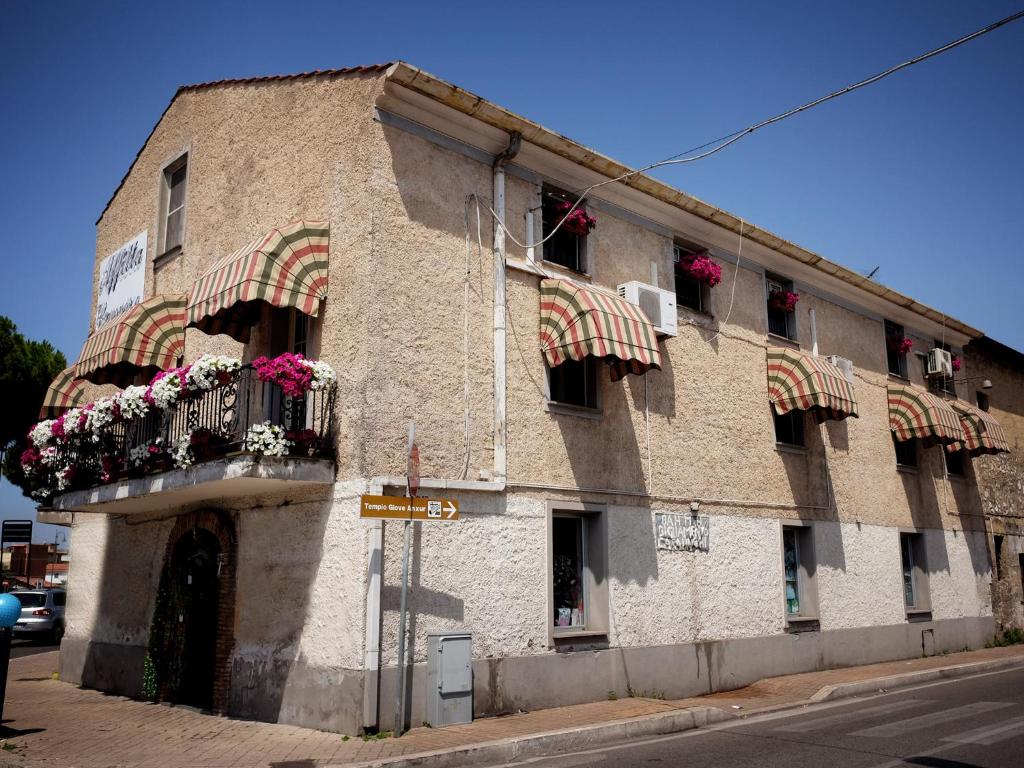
column 665, row 485
column 998, row 387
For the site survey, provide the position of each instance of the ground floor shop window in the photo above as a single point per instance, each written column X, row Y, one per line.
column 799, row 572
column 577, row 571
column 912, row 563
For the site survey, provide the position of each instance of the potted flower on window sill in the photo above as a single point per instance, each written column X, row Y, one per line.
column 900, row 344
column 578, row 222
column 700, row 267
column 784, row 301
column 956, row 363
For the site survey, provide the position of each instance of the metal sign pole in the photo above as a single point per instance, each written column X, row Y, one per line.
column 412, row 486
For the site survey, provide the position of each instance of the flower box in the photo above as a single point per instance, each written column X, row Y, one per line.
column 700, row 267
column 784, row 301
column 578, row 221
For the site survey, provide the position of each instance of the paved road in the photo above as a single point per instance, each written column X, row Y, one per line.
column 28, row 648
column 975, row 722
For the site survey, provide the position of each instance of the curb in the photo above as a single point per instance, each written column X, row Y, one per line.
column 892, row 682
column 533, row 745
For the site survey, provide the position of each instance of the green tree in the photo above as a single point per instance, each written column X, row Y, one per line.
column 26, row 369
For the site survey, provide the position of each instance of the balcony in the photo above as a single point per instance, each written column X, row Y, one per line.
column 243, row 435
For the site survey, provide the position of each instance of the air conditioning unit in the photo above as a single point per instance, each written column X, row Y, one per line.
column 843, row 364
column 940, row 363
column 659, row 305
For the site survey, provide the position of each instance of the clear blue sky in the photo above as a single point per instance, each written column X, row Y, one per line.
column 920, row 174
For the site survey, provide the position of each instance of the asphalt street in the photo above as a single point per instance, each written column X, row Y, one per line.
column 21, row 648
column 975, row 722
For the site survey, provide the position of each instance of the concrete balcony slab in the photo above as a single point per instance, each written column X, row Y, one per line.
column 230, row 477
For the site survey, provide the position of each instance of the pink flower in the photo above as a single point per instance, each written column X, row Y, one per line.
column 57, row 428
column 701, row 268
column 287, row 371
column 900, row 344
column 956, row 363
column 784, row 301
column 579, row 222
column 30, row 456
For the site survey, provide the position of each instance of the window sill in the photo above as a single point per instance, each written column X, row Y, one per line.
column 958, row 478
column 774, row 337
column 564, row 409
column 696, row 316
column 568, row 271
column 916, row 614
column 794, row 449
column 899, row 377
column 166, row 256
column 560, row 633
column 907, row 469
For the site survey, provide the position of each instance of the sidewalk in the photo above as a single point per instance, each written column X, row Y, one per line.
column 55, row 724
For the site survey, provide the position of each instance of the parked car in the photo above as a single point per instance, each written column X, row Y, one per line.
column 42, row 614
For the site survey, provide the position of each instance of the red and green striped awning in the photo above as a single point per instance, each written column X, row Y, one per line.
column 982, row 433
column 149, row 337
column 576, row 322
column 799, row 382
column 916, row 413
column 64, row 393
column 287, row 267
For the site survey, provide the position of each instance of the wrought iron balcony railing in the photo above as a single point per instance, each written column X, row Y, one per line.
column 241, row 415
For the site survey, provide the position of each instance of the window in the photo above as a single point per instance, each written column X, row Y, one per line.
column 915, row 579
column 284, row 329
column 574, row 382
column 578, row 583
column 955, row 464
column 781, row 322
column 798, row 572
column 789, row 428
column 173, row 204
column 997, row 542
column 568, row 572
column 690, row 293
column 982, row 399
column 906, row 452
column 897, row 360
column 565, row 248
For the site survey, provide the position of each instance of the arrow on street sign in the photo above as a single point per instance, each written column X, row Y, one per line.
column 402, row 508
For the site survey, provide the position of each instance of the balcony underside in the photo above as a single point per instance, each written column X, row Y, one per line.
column 230, row 477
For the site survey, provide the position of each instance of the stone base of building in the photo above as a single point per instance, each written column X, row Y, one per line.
column 293, row 692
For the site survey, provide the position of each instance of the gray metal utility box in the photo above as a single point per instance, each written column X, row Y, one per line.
column 449, row 679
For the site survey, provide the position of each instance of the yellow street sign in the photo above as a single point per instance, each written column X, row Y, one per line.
column 402, row 508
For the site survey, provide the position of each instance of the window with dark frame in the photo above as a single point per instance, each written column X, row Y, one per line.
column 791, row 569
column 574, row 383
column 997, row 542
column 175, row 179
column 909, row 546
column 690, row 293
column 780, row 322
column 982, row 400
column 955, row 463
column 569, row 571
column 906, row 452
column 896, row 360
column 789, row 428
column 564, row 248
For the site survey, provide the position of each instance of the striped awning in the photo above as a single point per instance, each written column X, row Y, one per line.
column 576, row 322
column 149, row 337
column 287, row 267
column 805, row 383
column 916, row 413
column 982, row 433
column 64, row 393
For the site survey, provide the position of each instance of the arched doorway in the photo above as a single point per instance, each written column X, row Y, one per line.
column 190, row 638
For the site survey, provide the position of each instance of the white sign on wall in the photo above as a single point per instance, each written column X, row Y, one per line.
column 682, row 533
column 122, row 280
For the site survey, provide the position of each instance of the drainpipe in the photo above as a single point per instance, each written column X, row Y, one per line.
column 500, row 454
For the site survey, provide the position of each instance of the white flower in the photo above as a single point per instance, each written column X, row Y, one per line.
column 165, row 390
column 41, row 433
column 70, row 420
column 48, row 457
column 323, row 374
column 203, row 372
column 267, row 439
column 181, row 453
column 132, row 402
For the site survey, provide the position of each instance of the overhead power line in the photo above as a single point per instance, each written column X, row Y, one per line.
column 717, row 145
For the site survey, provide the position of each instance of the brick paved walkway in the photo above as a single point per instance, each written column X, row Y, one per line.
column 55, row 724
